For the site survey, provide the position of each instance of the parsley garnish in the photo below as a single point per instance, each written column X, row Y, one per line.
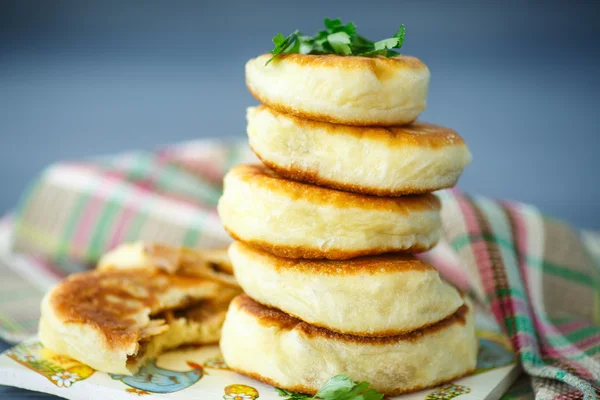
column 337, row 38
column 292, row 395
column 340, row 387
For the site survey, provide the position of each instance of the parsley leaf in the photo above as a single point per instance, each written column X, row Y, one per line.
column 337, row 38
column 284, row 45
column 292, row 395
column 332, row 23
column 340, row 42
column 386, row 44
column 337, row 385
column 340, row 387
column 383, row 47
column 335, row 25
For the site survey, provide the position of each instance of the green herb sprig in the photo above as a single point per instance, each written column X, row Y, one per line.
column 340, row 387
column 336, row 38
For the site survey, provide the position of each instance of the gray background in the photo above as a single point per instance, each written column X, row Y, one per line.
column 519, row 80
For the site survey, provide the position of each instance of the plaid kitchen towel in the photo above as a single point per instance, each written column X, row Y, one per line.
column 537, row 276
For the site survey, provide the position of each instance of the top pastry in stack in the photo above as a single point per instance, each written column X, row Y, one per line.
column 324, row 229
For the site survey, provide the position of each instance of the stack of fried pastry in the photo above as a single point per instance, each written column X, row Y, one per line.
column 325, row 229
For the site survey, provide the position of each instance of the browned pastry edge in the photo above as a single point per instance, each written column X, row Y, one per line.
column 259, row 176
column 418, row 134
column 317, row 254
column 307, row 176
column 274, row 317
column 382, row 67
column 350, row 62
column 320, row 117
column 368, row 265
column 380, row 334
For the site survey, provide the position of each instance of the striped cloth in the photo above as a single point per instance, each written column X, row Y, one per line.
column 536, row 275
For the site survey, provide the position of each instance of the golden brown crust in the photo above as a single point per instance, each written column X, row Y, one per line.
column 419, row 134
column 368, row 265
column 260, row 176
column 284, row 108
column 380, row 66
column 314, row 178
column 107, row 300
column 329, row 254
column 273, row 317
column 380, row 334
column 313, row 391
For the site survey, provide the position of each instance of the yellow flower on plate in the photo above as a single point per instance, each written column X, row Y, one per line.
column 240, row 392
column 64, row 379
